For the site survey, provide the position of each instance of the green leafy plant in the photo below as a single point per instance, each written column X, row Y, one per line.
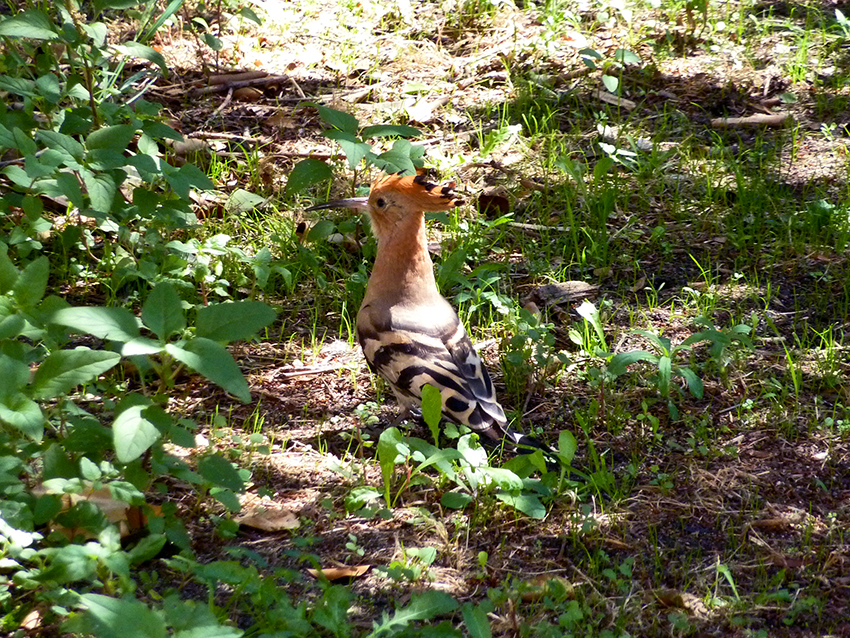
column 665, row 359
column 345, row 130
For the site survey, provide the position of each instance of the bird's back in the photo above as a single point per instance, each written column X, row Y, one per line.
column 411, row 345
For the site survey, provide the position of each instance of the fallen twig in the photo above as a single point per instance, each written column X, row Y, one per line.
column 759, row 119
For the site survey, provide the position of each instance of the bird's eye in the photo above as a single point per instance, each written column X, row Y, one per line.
column 380, row 202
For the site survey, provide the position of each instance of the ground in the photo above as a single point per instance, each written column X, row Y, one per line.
column 729, row 520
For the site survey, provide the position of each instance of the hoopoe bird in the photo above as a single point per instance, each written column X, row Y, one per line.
column 411, row 336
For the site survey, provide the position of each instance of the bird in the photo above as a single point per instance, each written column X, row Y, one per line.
column 410, row 334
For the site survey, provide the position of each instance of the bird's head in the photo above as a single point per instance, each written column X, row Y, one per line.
column 394, row 198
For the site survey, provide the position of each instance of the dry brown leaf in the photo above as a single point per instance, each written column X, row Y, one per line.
column 32, row 620
column 562, row 292
column 280, row 121
column 127, row 517
column 335, row 573
column 247, row 94
column 266, row 516
column 536, row 588
column 772, row 524
column 493, row 202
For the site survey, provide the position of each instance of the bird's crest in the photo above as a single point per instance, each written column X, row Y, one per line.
column 416, row 189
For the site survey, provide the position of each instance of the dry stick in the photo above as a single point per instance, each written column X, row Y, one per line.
column 237, row 77
column 610, row 98
column 760, row 119
column 221, row 107
column 221, row 88
column 307, row 372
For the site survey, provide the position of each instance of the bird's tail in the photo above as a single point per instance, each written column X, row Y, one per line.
column 526, row 444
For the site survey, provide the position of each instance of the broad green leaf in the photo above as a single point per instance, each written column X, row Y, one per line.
column 455, row 500
column 338, row 119
column 70, row 563
column 32, row 282
column 140, row 345
column 475, row 619
column 694, row 382
column 395, row 162
column 432, row 410
column 7, row 139
column 241, row 201
column 441, row 458
column 8, row 272
column 17, row 86
column 11, row 326
column 665, row 369
column 162, row 311
column 147, row 548
column 504, row 478
column 332, row 610
column 101, row 188
column 97, row 31
column 69, row 186
column 567, row 446
column 114, row 324
column 528, row 504
column 235, row 321
column 389, row 130
column 219, row 471
column 620, row 362
column 63, row 370
column 15, row 375
column 226, row 498
column 34, row 24
column 626, row 57
column 112, row 137
column 307, row 173
column 611, row 83
column 126, row 493
column 388, row 445
column 424, row 606
column 213, row 361
column 662, row 343
column 320, row 230
column 100, row 5
column 133, row 432
column 48, row 87
column 22, row 413
column 62, row 142
column 144, row 52
column 115, row 618
column 248, row 14
column 185, row 178
column 354, row 149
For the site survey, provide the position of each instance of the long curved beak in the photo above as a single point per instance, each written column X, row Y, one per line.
column 357, row 203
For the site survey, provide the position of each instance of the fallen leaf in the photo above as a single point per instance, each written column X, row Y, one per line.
column 493, row 202
column 335, row 573
column 539, row 586
column 32, row 620
column 266, row 516
column 639, row 284
column 562, row 292
column 128, row 518
column 247, row 94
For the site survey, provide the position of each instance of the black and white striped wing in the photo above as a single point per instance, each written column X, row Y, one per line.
column 412, row 348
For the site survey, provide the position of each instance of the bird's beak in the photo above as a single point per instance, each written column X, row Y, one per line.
column 357, row 203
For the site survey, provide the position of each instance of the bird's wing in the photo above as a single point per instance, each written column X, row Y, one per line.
column 412, row 347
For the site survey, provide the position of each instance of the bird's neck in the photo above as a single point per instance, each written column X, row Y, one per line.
column 403, row 269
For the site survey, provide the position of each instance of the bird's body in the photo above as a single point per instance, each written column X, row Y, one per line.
column 410, row 335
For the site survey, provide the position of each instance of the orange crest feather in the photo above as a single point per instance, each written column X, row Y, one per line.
column 421, row 193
